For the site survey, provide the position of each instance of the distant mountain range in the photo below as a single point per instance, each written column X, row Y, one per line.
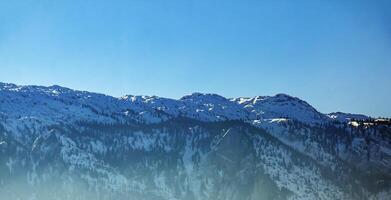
column 59, row 143
column 49, row 102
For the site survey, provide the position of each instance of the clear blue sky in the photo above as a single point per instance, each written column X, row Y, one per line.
column 334, row 54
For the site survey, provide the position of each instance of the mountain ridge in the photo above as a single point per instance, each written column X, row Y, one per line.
column 204, row 106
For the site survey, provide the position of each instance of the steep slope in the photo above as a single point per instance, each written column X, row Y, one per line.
column 83, row 145
column 174, row 160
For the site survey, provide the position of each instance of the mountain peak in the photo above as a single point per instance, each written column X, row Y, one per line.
column 202, row 96
column 282, row 106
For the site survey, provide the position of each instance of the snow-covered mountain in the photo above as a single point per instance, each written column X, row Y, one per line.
column 78, row 145
column 282, row 106
column 48, row 103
